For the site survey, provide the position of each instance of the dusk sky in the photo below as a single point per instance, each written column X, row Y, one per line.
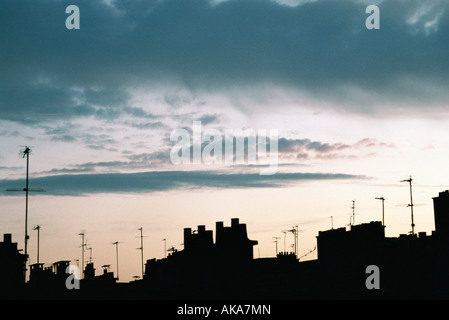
column 357, row 110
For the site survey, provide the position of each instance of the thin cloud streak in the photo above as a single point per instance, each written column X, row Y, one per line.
column 164, row 181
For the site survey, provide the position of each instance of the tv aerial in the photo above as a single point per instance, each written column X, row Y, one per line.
column 26, row 153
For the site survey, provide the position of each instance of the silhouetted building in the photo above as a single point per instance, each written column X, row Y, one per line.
column 101, row 286
column 360, row 244
column 408, row 264
column 53, row 276
column 232, row 242
column 199, row 243
column 89, row 271
column 51, row 282
column 344, row 254
column 40, row 275
column 441, row 235
column 411, row 266
column 12, row 266
column 60, row 267
column 204, row 268
column 441, row 213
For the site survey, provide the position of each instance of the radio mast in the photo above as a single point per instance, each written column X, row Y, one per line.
column 411, row 202
column 141, row 246
column 26, row 153
column 383, row 209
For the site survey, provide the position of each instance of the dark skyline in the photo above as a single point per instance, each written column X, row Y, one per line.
column 222, row 266
column 357, row 110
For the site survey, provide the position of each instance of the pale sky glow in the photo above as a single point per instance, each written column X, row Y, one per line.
column 357, row 111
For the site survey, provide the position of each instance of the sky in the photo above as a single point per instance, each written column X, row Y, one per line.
column 356, row 111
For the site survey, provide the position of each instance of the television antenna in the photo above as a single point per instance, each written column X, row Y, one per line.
column 285, row 233
column 116, row 253
column 383, row 209
column 276, row 241
column 294, row 230
column 90, row 255
column 83, row 245
column 37, row 227
column 141, row 246
column 26, row 153
column 353, row 212
column 172, row 249
column 411, row 202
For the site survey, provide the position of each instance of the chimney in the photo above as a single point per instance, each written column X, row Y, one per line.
column 187, row 237
column 7, row 238
column 218, row 230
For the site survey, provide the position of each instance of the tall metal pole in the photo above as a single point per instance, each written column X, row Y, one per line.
column 383, row 210
column 285, row 233
column 411, row 202
column 353, row 212
column 296, row 241
column 116, row 253
column 141, row 246
column 37, row 228
column 27, row 153
column 82, row 252
column 294, row 230
column 411, row 206
column 90, row 256
column 276, row 241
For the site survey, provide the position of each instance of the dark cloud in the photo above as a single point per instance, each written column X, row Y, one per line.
column 209, row 118
column 297, row 145
column 134, row 162
column 30, row 103
column 85, row 184
column 139, row 112
column 145, row 125
column 307, row 149
column 10, row 168
column 321, row 49
column 161, row 157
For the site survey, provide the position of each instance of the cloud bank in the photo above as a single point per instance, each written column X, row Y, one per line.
column 144, row 182
column 320, row 49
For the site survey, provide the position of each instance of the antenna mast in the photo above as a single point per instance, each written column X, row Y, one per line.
column 141, row 246
column 276, row 241
column 353, row 212
column 116, row 252
column 294, row 231
column 411, row 202
column 285, row 233
column 383, row 210
column 38, row 227
column 83, row 245
column 90, row 255
column 26, row 153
